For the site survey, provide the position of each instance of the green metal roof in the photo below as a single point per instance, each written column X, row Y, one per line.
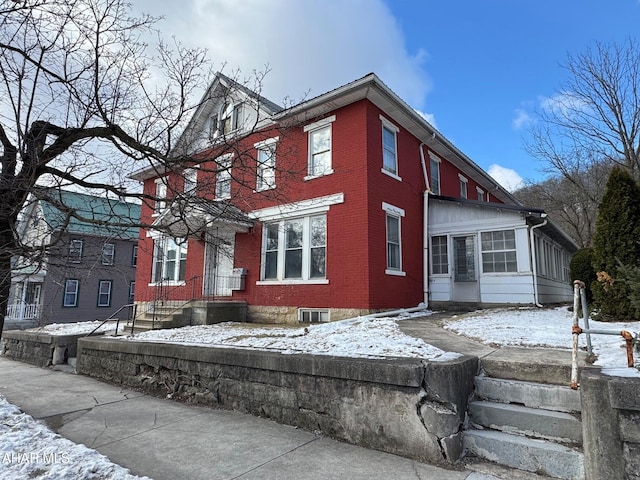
column 106, row 217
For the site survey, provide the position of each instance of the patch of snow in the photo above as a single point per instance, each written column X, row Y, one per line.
column 28, row 449
column 543, row 327
column 357, row 337
column 80, row 328
column 621, row 372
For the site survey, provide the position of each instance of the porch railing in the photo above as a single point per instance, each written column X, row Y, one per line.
column 23, row 311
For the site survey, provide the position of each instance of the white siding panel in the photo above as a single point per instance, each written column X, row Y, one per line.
column 506, row 289
column 440, row 289
column 550, row 291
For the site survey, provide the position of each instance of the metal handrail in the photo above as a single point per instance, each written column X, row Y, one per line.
column 111, row 317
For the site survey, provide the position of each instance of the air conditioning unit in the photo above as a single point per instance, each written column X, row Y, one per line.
column 238, row 279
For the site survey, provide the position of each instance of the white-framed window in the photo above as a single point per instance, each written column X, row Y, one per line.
column 313, row 315
column 294, row 249
column 480, row 193
column 161, row 195
column 71, row 291
column 439, row 255
column 389, row 148
column 108, row 253
column 223, row 177
column 463, row 186
column 319, row 161
column 104, row 293
column 266, row 164
column 231, row 117
column 76, row 250
column 132, row 291
column 134, row 256
column 499, row 251
column 393, row 216
column 169, row 259
column 190, row 176
column 434, row 164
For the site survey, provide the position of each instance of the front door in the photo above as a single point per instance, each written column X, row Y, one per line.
column 465, row 279
column 218, row 263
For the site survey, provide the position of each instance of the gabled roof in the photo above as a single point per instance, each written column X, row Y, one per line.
column 107, row 217
column 373, row 89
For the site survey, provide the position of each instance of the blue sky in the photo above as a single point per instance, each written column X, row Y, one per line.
column 476, row 69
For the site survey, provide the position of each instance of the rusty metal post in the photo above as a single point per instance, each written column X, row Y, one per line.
column 628, row 338
column 575, row 331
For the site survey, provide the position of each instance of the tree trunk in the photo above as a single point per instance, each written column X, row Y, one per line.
column 7, row 244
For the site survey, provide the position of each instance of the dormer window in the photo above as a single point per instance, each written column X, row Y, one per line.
column 231, row 117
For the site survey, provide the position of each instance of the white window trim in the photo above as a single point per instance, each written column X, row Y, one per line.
column 465, row 181
column 190, row 172
column 220, row 161
column 160, row 205
column 394, row 212
column 305, row 279
column 76, row 258
column 108, row 294
column 264, row 144
column 161, row 238
column 391, row 126
column 113, row 254
column 76, row 293
column 301, row 311
column 297, row 209
column 438, row 161
column 309, row 129
column 480, row 192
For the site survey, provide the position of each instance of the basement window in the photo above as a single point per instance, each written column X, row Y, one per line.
column 307, row 315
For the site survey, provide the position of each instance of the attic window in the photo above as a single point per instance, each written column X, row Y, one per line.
column 231, row 117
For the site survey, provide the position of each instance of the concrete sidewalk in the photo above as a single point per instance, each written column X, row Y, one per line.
column 164, row 439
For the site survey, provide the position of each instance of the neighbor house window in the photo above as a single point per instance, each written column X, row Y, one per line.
column 223, row 177
column 295, row 249
column 134, row 256
column 169, row 260
column 439, row 255
column 389, row 147
column 108, row 253
column 499, row 251
column 319, row 161
column 480, row 194
column 132, row 291
column 435, row 175
column 71, row 289
column 76, row 248
column 463, row 186
column 393, row 239
column 104, row 293
column 266, row 164
column 161, row 196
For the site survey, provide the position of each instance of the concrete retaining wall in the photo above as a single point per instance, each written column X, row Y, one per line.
column 407, row 407
column 38, row 348
column 611, row 426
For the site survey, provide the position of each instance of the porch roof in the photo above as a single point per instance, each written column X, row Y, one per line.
column 186, row 217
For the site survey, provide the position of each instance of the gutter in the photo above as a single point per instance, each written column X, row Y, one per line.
column 534, row 261
column 425, row 229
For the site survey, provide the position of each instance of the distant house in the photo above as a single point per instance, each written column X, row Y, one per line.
column 346, row 204
column 88, row 273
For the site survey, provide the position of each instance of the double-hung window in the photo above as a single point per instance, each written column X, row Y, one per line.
column 389, row 148
column 295, row 249
column 190, row 180
column 76, row 248
column 393, row 239
column 104, row 293
column 266, row 164
column 223, row 177
column 71, row 290
column 161, row 196
column 232, row 117
column 463, row 186
column 480, row 193
column 434, row 164
column 499, row 251
column 169, row 259
column 108, row 253
column 319, row 161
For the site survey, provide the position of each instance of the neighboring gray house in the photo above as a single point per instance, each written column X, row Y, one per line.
column 89, row 271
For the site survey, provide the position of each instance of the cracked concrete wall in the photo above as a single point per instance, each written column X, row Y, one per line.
column 408, row 407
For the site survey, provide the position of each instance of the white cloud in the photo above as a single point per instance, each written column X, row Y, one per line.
column 430, row 117
column 311, row 47
column 521, row 120
column 563, row 104
column 507, row 177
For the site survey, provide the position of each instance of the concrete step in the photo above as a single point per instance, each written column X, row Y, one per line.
column 532, row 422
column 540, row 365
column 535, row 395
column 532, row 455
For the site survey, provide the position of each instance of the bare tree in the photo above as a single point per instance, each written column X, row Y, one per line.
column 596, row 114
column 572, row 201
column 84, row 102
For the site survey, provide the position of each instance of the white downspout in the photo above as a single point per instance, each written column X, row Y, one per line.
column 425, row 230
column 534, row 261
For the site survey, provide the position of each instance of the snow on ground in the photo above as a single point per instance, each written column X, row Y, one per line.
column 358, row 337
column 29, row 450
column 545, row 327
column 80, row 328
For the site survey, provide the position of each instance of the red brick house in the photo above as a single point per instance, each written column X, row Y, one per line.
column 345, row 204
